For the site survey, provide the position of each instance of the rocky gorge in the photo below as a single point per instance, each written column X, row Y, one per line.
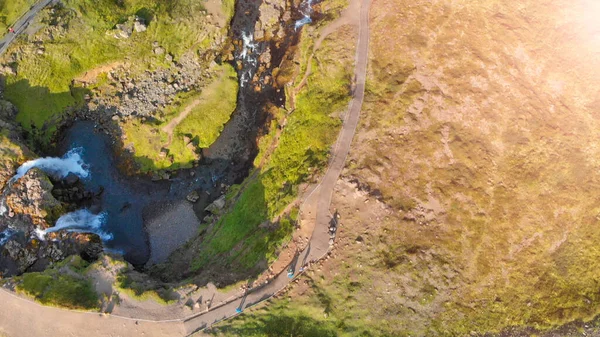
column 258, row 44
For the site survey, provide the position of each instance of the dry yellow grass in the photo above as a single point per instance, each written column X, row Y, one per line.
column 480, row 135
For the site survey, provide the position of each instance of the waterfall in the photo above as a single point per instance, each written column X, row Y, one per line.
column 80, row 221
column 248, row 55
column 3, row 206
column 6, row 235
column 306, row 10
column 71, row 162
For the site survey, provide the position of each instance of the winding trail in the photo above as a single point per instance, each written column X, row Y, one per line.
column 319, row 242
column 22, row 24
column 21, row 317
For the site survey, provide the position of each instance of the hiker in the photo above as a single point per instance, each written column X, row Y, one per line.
column 11, row 30
column 290, row 272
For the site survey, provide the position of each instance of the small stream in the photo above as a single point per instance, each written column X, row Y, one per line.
column 121, row 199
column 122, row 203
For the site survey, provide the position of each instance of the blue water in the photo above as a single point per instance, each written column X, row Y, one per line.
column 123, row 198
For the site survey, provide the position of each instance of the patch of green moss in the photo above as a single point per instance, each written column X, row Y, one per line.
column 55, row 287
column 43, row 89
column 140, row 292
column 210, row 108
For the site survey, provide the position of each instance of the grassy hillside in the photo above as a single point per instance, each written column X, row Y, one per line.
column 64, row 286
column 198, row 117
column 478, row 144
column 251, row 233
column 79, row 36
column 11, row 11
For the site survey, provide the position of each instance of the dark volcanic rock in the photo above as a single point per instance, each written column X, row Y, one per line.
column 71, row 179
column 34, row 207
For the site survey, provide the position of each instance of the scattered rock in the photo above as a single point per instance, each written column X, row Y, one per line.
column 163, row 153
column 71, row 179
column 193, row 196
column 123, row 31
column 139, row 26
column 191, row 147
column 32, row 195
column 216, row 206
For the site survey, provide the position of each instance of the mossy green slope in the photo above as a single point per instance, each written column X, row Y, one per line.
column 79, row 35
column 302, row 148
column 64, row 285
column 11, row 11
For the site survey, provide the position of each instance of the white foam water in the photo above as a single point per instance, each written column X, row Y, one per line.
column 307, row 12
column 3, row 207
column 6, row 235
column 248, row 45
column 80, row 221
column 71, row 162
column 248, row 54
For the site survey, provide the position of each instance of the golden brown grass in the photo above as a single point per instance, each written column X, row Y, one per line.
column 480, row 134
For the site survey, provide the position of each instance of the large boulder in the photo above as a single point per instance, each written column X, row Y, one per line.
column 31, row 195
column 217, row 206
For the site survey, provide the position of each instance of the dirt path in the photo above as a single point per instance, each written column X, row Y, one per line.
column 349, row 15
column 319, row 242
column 170, row 128
column 91, row 76
column 20, row 317
column 22, row 24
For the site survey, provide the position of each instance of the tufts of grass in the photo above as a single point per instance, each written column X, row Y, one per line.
column 11, row 11
column 279, row 320
column 82, row 39
column 138, row 291
column 61, row 287
column 208, row 111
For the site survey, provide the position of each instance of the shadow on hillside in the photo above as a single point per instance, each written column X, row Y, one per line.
column 41, row 111
column 278, row 324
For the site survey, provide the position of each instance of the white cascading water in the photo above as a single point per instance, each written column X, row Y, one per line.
column 3, row 207
column 248, row 55
column 306, row 10
column 71, row 162
column 6, row 235
column 80, row 221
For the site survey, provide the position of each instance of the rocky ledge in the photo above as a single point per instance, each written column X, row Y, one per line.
column 33, row 207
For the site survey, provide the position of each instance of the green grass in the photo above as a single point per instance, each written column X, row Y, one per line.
column 212, row 108
column 43, row 88
column 218, row 101
column 140, row 292
column 54, row 287
column 11, row 11
column 281, row 319
column 302, row 149
column 11, row 155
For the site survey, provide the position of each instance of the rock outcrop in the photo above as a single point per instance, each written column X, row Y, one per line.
column 31, row 196
column 31, row 205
